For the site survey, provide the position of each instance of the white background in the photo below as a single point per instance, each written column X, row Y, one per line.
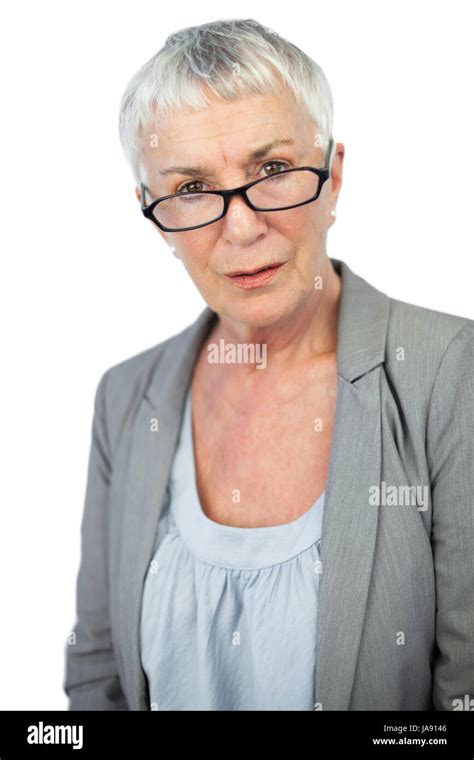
column 87, row 282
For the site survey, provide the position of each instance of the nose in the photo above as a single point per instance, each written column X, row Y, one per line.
column 242, row 225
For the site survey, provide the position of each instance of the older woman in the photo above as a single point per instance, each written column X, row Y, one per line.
column 279, row 509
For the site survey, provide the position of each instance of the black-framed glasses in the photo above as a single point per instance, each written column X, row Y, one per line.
column 276, row 192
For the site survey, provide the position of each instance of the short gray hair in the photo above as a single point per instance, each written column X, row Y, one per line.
column 235, row 58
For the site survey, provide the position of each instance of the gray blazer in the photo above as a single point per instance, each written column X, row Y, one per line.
column 396, row 613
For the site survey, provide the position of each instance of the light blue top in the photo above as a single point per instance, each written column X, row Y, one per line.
column 229, row 614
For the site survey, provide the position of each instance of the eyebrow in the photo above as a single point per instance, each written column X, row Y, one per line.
column 255, row 155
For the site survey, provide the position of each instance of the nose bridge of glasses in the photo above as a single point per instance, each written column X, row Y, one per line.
column 236, row 197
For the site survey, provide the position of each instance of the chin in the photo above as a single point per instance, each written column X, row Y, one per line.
column 264, row 310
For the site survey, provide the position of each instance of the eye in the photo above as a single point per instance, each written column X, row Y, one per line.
column 281, row 166
column 190, row 187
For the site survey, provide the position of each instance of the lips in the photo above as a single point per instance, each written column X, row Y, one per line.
column 255, row 278
column 253, row 271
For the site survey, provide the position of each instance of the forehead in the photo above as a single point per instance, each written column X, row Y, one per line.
column 226, row 131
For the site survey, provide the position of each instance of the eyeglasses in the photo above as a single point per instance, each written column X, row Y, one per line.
column 277, row 192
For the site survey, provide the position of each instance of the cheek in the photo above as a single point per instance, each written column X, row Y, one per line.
column 298, row 225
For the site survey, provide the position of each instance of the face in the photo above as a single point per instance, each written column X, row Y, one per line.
column 218, row 142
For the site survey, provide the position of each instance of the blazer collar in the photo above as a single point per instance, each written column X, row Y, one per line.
column 362, row 328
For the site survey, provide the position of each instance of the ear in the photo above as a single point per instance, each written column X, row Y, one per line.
column 336, row 171
column 139, row 195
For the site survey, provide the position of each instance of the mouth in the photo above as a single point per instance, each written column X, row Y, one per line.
column 256, row 277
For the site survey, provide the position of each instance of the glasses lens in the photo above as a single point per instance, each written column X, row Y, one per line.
column 284, row 189
column 188, row 210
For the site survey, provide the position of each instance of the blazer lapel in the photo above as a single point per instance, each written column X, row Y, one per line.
column 347, row 539
column 349, row 523
column 150, row 463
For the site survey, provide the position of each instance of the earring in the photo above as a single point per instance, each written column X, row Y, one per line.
column 333, row 213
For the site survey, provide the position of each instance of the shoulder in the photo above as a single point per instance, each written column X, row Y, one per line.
column 418, row 324
column 421, row 340
column 123, row 385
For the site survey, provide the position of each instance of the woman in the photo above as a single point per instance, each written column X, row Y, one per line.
column 279, row 508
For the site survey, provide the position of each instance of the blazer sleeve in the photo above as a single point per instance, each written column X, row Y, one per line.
column 450, row 449
column 91, row 679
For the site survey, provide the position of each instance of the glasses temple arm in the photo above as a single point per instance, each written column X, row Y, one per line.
column 329, row 154
column 143, row 190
